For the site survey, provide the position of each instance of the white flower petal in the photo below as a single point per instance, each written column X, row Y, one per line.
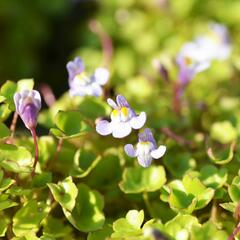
column 121, row 129
column 159, row 152
column 104, row 127
column 137, row 122
column 101, row 75
column 111, row 103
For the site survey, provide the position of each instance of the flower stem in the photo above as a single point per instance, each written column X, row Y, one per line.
column 13, row 127
column 59, row 147
column 34, row 135
column 235, row 232
column 147, row 203
column 106, row 41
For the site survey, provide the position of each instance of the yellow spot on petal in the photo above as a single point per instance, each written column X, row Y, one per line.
column 82, row 76
column 124, row 111
column 188, row 60
column 115, row 113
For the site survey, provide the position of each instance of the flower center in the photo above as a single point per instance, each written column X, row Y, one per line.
column 144, row 148
column 188, row 61
column 81, row 79
column 121, row 115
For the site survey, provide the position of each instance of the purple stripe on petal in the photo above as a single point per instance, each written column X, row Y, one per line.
column 104, row 127
column 121, row 101
column 158, row 153
column 146, row 136
column 144, row 160
column 137, row 122
column 129, row 150
column 75, row 67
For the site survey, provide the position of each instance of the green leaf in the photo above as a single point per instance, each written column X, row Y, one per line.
column 4, row 221
column 189, row 194
column 101, row 234
column 47, row 148
column 84, row 163
column 8, row 89
column 234, row 189
column 129, row 226
column 4, row 131
column 42, row 179
column 29, row 217
column 138, row 179
column 208, row 231
column 25, row 84
column 230, row 206
column 213, row 177
column 54, row 227
column 223, row 132
column 15, row 159
column 64, row 193
column 222, row 161
column 87, row 214
column 5, row 202
column 91, row 107
column 70, row 124
column 180, row 227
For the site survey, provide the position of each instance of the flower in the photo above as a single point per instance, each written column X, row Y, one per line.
column 216, row 44
column 146, row 149
column 81, row 84
column 123, row 119
column 28, row 104
column 191, row 60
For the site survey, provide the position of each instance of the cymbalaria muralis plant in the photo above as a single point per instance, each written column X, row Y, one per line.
column 141, row 167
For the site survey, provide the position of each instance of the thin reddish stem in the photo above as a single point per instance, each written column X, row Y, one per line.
column 105, row 39
column 34, row 135
column 59, row 147
column 13, row 127
column 235, row 232
column 177, row 104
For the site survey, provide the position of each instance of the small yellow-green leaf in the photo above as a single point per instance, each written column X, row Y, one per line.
column 138, row 179
column 64, row 193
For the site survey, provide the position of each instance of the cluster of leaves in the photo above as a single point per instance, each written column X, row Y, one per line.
column 85, row 187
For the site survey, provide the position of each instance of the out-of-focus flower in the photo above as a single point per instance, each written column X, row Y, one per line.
column 191, row 60
column 28, row 105
column 81, row 84
column 146, row 149
column 216, row 44
column 123, row 119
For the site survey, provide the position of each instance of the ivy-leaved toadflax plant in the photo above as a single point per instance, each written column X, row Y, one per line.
column 28, row 105
column 81, row 83
column 146, row 149
column 123, row 119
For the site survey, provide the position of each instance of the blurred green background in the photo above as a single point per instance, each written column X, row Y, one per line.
column 39, row 37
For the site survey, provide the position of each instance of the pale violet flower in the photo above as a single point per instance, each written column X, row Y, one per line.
column 191, row 60
column 28, row 104
column 81, row 84
column 216, row 44
column 146, row 149
column 123, row 119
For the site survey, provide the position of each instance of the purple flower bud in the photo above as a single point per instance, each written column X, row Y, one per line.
column 146, row 149
column 81, row 84
column 123, row 119
column 28, row 104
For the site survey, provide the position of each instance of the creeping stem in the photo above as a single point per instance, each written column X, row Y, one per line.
column 235, row 232
column 34, row 135
column 13, row 127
